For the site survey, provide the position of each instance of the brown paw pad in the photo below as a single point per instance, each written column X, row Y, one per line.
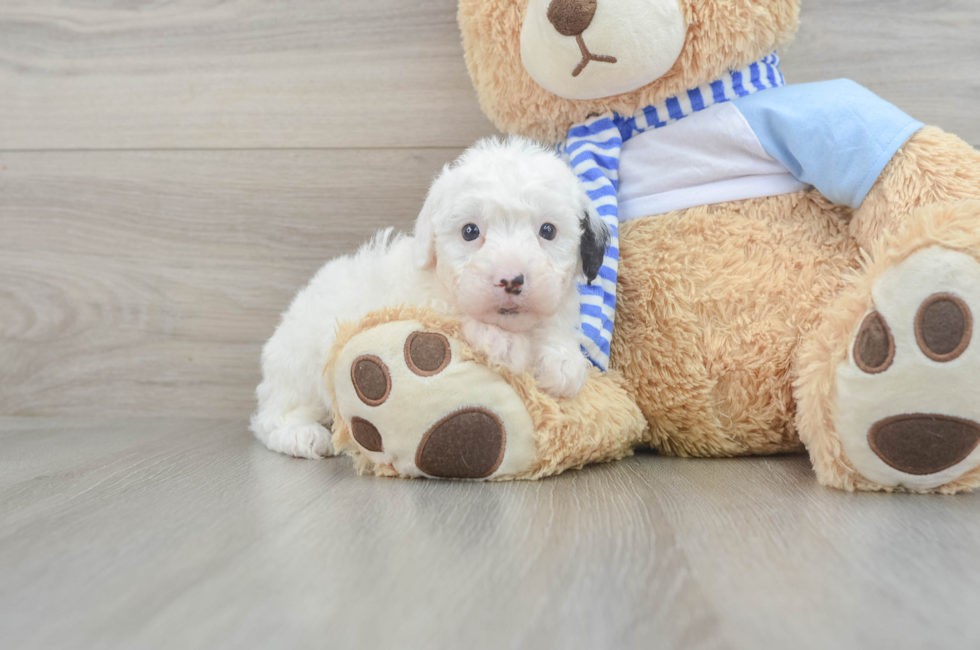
column 923, row 444
column 874, row 349
column 466, row 444
column 371, row 379
column 427, row 353
column 366, row 434
column 943, row 327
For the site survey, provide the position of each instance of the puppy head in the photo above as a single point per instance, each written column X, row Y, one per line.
column 508, row 228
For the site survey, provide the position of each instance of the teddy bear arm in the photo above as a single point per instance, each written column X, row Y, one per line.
column 932, row 167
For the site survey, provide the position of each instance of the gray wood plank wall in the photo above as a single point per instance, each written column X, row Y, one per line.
column 171, row 172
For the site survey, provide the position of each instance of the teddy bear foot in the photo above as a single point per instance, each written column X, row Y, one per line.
column 908, row 394
column 416, row 407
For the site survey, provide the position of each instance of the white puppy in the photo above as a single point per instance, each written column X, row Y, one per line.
column 503, row 236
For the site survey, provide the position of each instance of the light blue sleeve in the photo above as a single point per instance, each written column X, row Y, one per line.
column 834, row 135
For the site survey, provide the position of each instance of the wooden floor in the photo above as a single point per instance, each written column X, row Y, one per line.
column 183, row 533
column 170, row 174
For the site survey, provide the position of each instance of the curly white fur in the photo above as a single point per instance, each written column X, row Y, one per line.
column 507, row 190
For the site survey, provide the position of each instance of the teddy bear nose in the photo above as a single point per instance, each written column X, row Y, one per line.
column 571, row 17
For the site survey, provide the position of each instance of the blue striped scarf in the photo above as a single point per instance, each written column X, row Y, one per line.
column 593, row 149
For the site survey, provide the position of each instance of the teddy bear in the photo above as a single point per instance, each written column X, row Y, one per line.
column 791, row 266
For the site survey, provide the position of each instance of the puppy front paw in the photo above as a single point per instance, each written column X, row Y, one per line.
column 302, row 440
column 513, row 351
column 561, row 372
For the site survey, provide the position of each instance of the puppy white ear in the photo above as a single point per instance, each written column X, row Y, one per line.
column 595, row 239
column 425, row 236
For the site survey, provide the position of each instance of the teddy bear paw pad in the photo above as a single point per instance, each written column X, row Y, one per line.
column 467, row 444
column 412, row 403
column 908, row 396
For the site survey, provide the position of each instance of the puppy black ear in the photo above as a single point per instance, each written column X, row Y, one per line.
column 595, row 239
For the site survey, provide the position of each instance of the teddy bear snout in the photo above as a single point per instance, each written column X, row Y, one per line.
column 571, row 17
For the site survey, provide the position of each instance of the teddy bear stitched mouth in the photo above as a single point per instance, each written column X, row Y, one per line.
column 572, row 18
column 589, row 56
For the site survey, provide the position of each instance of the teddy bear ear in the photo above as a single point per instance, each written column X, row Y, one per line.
column 595, row 239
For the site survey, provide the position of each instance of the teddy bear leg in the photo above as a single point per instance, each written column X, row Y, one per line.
column 415, row 401
column 888, row 392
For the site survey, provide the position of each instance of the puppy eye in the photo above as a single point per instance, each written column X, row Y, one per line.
column 470, row 232
column 548, row 231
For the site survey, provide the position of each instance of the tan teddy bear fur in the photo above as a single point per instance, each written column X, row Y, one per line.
column 732, row 317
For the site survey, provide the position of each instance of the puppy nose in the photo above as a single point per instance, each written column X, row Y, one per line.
column 571, row 17
column 512, row 286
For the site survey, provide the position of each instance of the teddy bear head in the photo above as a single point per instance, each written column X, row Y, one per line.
column 542, row 66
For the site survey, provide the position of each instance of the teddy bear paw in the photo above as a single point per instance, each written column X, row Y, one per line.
column 908, row 395
column 415, row 407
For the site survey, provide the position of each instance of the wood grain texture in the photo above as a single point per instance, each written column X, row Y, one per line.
column 147, row 282
column 233, row 74
column 141, row 269
column 255, row 74
column 144, row 282
column 137, row 533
